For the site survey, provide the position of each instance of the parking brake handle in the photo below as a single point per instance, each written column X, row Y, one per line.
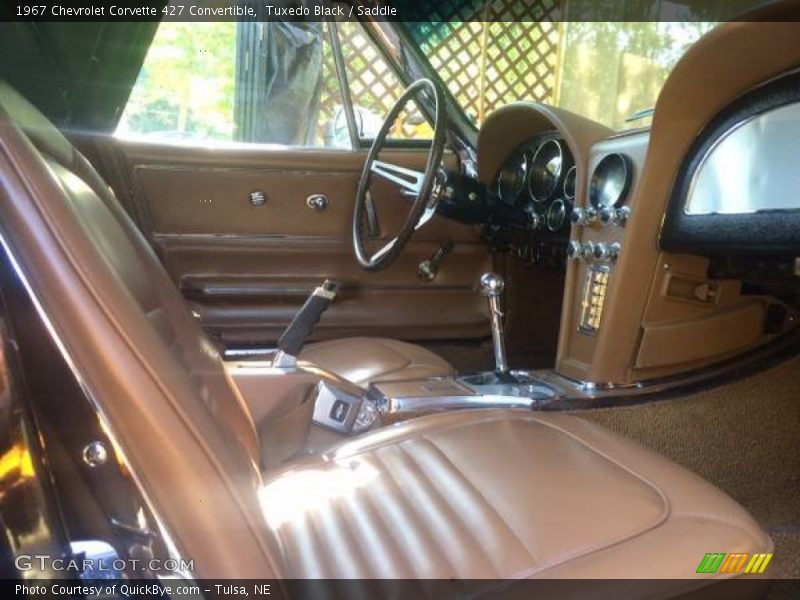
column 299, row 330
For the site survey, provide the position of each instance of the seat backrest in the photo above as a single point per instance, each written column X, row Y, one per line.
column 134, row 344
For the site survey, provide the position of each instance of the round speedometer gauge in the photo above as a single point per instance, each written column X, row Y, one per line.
column 512, row 177
column 546, row 168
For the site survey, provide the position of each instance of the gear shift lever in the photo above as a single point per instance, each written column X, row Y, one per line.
column 492, row 286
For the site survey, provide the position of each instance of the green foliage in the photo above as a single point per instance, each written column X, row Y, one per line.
column 186, row 85
column 604, row 70
column 613, row 69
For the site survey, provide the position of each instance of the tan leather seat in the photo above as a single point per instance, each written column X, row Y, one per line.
column 500, row 495
column 364, row 360
column 469, row 494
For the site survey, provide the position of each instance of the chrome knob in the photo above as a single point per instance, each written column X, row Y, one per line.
column 492, row 285
column 586, row 250
column 583, row 216
column 600, row 251
column 95, row 454
column 621, row 216
column 317, row 202
column 605, row 252
column 607, row 215
column 574, row 249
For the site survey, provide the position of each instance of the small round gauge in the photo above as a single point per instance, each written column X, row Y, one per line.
column 610, row 181
column 570, row 181
column 556, row 215
column 511, row 181
column 546, row 168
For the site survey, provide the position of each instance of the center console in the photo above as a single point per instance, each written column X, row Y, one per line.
column 346, row 411
column 401, row 399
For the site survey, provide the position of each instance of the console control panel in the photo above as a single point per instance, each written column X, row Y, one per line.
column 597, row 235
column 593, row 298
column 594, row 251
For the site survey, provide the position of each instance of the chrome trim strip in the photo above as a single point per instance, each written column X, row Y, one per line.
column 436, row 403
column 575, row 389
column 344, row 85
column 234, row 353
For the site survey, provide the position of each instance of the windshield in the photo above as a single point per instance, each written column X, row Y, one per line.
column 611, row 72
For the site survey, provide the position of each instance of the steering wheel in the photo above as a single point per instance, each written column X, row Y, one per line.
column 419, row 188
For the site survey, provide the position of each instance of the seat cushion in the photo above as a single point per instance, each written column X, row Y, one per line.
column 499, row 495
column 365, row 360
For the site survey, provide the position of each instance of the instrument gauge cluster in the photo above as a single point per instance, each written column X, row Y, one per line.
column 538, row 178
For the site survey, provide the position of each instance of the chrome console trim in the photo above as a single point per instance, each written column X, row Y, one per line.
column 423, row 404
column 571, row 394
column 480, row 390
column 239, row 353
column 768, row 353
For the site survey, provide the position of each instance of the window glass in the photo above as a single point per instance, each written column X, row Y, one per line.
column 185, row 88
column 614, row 72
column 375, row 88
column 607, row 71
column 262, row 83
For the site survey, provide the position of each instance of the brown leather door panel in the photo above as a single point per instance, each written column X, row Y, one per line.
column 246, row 269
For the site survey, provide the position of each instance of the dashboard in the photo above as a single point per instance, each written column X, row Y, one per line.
column 539, row 178
column 537, row 182
column 681, row 248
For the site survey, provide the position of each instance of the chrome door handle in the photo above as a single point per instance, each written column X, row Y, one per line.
column 317, row 202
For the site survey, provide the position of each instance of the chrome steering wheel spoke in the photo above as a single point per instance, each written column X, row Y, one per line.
column 408, row 179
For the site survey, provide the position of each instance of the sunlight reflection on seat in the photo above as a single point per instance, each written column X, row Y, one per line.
column 296, row 494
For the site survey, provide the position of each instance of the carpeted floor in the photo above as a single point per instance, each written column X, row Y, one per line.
column 744, row 437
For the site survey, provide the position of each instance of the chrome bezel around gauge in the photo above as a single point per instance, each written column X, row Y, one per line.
column 556, row 215
column 548, row 156
column 570, row 183
column 611, row 181
column 513, row 163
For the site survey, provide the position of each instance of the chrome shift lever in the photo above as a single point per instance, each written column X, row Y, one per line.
column 492, row 286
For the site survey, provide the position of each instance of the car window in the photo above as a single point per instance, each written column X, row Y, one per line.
column 374, row 89
column 611, row 72
column 262, row 83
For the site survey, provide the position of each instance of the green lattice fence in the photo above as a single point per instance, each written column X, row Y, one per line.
column 503, row 57
column 488, row 64
column 485, row 64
